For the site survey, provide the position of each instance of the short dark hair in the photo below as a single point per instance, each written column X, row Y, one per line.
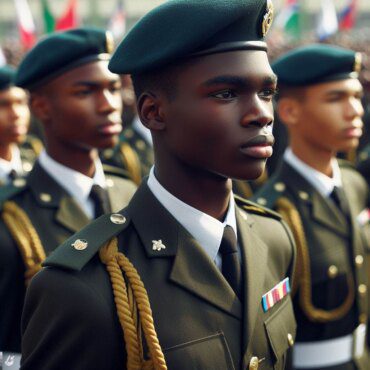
column 294, row 92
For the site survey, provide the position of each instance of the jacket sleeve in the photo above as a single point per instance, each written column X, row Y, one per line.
column 67, row 325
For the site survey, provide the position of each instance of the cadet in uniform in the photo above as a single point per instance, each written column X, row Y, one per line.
column 77, row 99
column 197, row 281
column 17, row 151
column 321, row 198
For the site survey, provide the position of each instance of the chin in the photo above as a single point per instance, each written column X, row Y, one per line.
column 250, row 173
column 108, row 143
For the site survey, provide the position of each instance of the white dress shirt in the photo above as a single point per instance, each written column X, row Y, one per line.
column 75, row 183
column 322, row 183
column 14, row 164
column 207, row 230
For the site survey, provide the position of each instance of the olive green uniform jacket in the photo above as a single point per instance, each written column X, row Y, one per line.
column 337, row 250
column 200, row 322
column 55, row 216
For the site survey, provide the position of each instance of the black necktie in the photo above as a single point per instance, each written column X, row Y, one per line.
column 231, row 268
column 101, row 200
column 340, row 199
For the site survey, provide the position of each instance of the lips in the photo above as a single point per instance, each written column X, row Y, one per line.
column 258, row 147
column 110, row 128
column 353, row 132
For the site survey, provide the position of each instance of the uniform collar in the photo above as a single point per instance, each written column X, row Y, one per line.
column 142, row 131
column 14, row 164
column 322, row 183
column 207, row 230
column 75, row 183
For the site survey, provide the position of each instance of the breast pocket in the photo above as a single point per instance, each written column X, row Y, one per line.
column 281, row 330
column 206, row 353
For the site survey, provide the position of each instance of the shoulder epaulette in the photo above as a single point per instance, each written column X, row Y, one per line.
column 81, row 247
column 115, row 171
column 9, row 191
column 255, row 208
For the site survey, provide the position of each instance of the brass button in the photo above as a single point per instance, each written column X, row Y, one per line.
column 303, row 195
column 19, row 183
column 80, row 244
column 362, row 318
column 117, row 219
column 129, row 133
column 45, row 197
column 332, row 271
column 359, row 260
column 262, row 201
column 363, row 156
column 362, row 289
column 27, row 166
column 140, row 144
column 279, row 186
column 253, row 364
column 290, row 340
column 109, row 183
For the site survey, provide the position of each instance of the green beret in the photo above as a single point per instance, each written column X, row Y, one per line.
column 7, row 74
column 61, row 52
column 180, row 29
column 315, row 64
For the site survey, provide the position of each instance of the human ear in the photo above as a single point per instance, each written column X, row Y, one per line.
column 288, row 110
column 40, row 107
column 150, row 110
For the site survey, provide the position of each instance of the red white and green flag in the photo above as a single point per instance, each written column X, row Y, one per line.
column 26, row 25
column 49, row 20
column 69, row 19
column 288, row 18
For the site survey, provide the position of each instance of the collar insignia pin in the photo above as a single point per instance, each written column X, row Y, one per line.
column 158, row 245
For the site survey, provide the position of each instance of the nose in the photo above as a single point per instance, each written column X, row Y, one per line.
column 258, row 112
column 354, row 108
column 109, row 102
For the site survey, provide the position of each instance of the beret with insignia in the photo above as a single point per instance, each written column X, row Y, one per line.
column 179, row 29
column 61, row 52
column 316, row 63
column 7, row 75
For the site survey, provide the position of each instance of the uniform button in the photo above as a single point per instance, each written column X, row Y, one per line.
column 80, row 244
column 117, row 219
column 290, row 340
column 109, row 183
column 359, row 260
column 362, row 318
column 332, row 271
column 303, row 195
column 362, row 289
column 140, row 144
column 27, row 166
column 19, row 183
column 262, row 201
column 253, row 364
column 363, row 156
column 279, row 186
column 45, row 197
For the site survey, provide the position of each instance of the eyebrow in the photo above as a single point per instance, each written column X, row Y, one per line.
column 241, row 82
column 344, row 92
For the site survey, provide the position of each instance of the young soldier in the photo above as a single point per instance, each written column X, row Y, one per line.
column 320, row 103
column 190, row 265
column 16, row 153
column 77, row 99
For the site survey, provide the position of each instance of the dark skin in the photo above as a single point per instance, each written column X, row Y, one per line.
column 14, row 119
column 81, row 113
column 216, row 128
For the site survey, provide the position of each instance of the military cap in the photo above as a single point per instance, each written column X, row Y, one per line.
column 7, row 74
column 180, row 29
column 61, row 52
column 316, row 63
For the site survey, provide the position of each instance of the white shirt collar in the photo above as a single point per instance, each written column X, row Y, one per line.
column 142, row 130
column 207, row 230
column 14, row 164
column 75, row 183
column 322, row 183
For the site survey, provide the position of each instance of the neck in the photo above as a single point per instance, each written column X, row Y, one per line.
column 6, row 152
column 206, row 192
column 317, row 158
column 82, row 161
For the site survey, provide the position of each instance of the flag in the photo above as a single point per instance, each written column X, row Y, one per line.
column 2, row 58
column 117, row 22
column 49, row 21
column 327, row 21
column 69, row 18
column 26, row 25
column 347, row 17
column 289, row 18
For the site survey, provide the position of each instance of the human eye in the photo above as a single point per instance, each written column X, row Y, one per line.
column 224, row 95
column 267, row 94
column 82, row 93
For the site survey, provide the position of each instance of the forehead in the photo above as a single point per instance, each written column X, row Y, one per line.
column 244, row 63
column 12, row 93
column 94, row 71
column 349, row 85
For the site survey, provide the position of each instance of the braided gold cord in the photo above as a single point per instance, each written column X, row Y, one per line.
column 303, row 270
column 25, row 236
column 131, row 162
column 117, row 265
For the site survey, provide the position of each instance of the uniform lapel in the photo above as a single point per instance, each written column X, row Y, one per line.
column 191, row 268
column 254, row 254
column 49, row 194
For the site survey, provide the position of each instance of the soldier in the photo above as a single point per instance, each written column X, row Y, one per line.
column 321, row 198
column 197, row 281
column 17, row 153
column 77, row 99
